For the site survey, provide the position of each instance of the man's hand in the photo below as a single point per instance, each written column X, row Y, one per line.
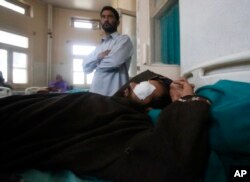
column 180, row 88
column 103, row 54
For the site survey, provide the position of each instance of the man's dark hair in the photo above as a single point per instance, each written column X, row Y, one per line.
column 110, row 8
column 163, row 100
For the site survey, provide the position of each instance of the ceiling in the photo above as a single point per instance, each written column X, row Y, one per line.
column 91, row 5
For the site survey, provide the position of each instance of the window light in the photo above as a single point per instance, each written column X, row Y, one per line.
column 85, row 23
column 4, row 63
column 12, row 6
column 82, row 50
column 14, row 39
column 80, row 24
column 19, row 68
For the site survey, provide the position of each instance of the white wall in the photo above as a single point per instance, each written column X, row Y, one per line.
column 129, row 5
column 211, row 29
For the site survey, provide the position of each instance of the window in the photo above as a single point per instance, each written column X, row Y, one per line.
column 19, row 66
column 16, row 6
column 14, row 57
column 14, row 39
column 14, row 66
column 167, row 34
column 79, row 53
column 85, row 23
column 82, row 50
column 4, row 63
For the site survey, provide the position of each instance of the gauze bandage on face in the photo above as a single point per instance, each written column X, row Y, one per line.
column 143, row 90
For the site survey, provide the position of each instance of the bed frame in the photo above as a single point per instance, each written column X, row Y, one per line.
column 234, row 67
column 5, row 91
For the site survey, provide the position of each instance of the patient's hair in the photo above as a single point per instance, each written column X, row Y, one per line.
column 163, row 100
column 111, row 9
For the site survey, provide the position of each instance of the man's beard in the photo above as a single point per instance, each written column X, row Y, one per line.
column 107, row 27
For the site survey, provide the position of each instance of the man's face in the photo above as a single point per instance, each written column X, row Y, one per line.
column 159, row 90
column 108, row 21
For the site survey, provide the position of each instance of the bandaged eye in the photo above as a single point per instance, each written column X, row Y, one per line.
column 143, row 90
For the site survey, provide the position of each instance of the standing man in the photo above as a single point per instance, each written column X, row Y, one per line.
column 111, row 58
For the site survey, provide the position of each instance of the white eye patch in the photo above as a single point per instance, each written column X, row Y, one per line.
column 143, row 90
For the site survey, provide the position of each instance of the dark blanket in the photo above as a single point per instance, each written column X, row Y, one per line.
column 109, row 138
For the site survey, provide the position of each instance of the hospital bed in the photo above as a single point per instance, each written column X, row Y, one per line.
column 33, row 90
column 5, row 91
column 226, row 83
column 234, row 67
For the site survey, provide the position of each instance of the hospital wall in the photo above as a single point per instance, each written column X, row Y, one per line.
column 209, row 30
column 35, row 28
column 145, row 41
column 52, row 37
column 65, row 36
column 212, row 30
column 61, row 35
column 129, row 5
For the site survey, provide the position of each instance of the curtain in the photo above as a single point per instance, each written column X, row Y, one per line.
column 170, row 36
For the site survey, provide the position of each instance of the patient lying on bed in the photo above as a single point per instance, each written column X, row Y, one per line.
column 111, row 138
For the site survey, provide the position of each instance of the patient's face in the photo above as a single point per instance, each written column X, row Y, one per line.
column 157, row 92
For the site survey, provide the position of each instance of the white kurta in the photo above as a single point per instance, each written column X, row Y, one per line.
column 112, row 71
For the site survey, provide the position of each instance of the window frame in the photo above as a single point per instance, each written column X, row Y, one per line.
column 13, row 67
column 157, row 10
column 10, row 51
column 21, row 4
column 95, row 22
column 16, row 34
column 82, row 57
